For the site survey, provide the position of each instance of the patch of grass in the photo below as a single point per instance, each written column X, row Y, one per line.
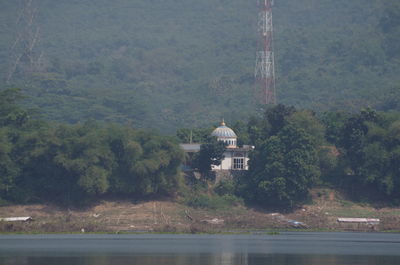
column 346, row 203
column 351, row 212
column 214, row 202
column 392, row 213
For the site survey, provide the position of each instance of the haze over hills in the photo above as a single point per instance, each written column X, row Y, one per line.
column 185, row 63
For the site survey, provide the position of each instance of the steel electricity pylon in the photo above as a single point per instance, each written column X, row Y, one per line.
column 265, row 65
column 24, row 55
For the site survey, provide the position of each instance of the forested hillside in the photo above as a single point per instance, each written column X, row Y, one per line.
column 185, row 63
column 296, row 151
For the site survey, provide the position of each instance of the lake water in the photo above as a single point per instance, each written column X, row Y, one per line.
column 295, row 248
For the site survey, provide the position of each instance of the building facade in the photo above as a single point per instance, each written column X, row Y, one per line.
column 235, row 157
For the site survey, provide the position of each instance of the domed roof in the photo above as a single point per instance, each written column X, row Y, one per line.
column 224, row 131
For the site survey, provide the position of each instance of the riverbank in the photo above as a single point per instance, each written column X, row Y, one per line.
column 173, row 216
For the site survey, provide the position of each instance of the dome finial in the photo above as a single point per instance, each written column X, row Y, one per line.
column 223, row 122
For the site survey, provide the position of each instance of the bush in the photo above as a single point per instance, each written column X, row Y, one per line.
column 232, row 200
column 212, row 202
column 225, row 187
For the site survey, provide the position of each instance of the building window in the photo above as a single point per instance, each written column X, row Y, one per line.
column 238, row 163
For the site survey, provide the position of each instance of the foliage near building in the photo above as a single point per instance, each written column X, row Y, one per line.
column 295, row 150
column 74, row 163
column 370, row 144
column 284, row 165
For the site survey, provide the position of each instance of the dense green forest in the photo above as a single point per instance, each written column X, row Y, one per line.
column 73, row 164
column 296, row 150
column 184, row 63
column 94, row 74
column 356, row 153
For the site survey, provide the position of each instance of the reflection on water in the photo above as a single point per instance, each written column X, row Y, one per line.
column 283, row 249
column 206, row 259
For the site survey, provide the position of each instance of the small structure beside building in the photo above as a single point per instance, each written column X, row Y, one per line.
column 372, row 221
column 358, row 223
column 16, row 219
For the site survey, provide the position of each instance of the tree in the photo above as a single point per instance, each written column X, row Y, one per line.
column 308, row 121
column 283, row 168
column 71, row 164
column 12, row 120
column 10, row 112
column 277, row 118
column 211, row 153
column 145, row 163
column 157, row 170
column 369, row 145
column 333, row 123
column 193, row 135
column 353, row 138
column 272, row 122
column 68, row 164
column 8, row 168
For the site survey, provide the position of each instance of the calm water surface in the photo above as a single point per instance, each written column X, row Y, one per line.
column 285, row 248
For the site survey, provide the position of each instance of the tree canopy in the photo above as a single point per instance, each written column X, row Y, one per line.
column 71, row 164
column 295, row 150
column 185, row 63
column 284, row 165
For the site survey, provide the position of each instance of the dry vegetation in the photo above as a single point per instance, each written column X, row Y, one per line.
column 169, row 216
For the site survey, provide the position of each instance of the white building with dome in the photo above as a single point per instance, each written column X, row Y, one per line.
column 226, row 135
column 235, row 157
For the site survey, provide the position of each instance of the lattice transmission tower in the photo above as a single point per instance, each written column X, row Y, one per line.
column 24, row 54
column 265, row 62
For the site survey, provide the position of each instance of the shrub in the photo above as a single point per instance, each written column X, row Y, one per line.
column 225, row 187
column 212, row 202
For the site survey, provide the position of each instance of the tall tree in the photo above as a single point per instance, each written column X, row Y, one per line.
column 284, row 168
column 369, row 151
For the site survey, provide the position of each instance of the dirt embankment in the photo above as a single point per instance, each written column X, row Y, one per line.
column 170, row 216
